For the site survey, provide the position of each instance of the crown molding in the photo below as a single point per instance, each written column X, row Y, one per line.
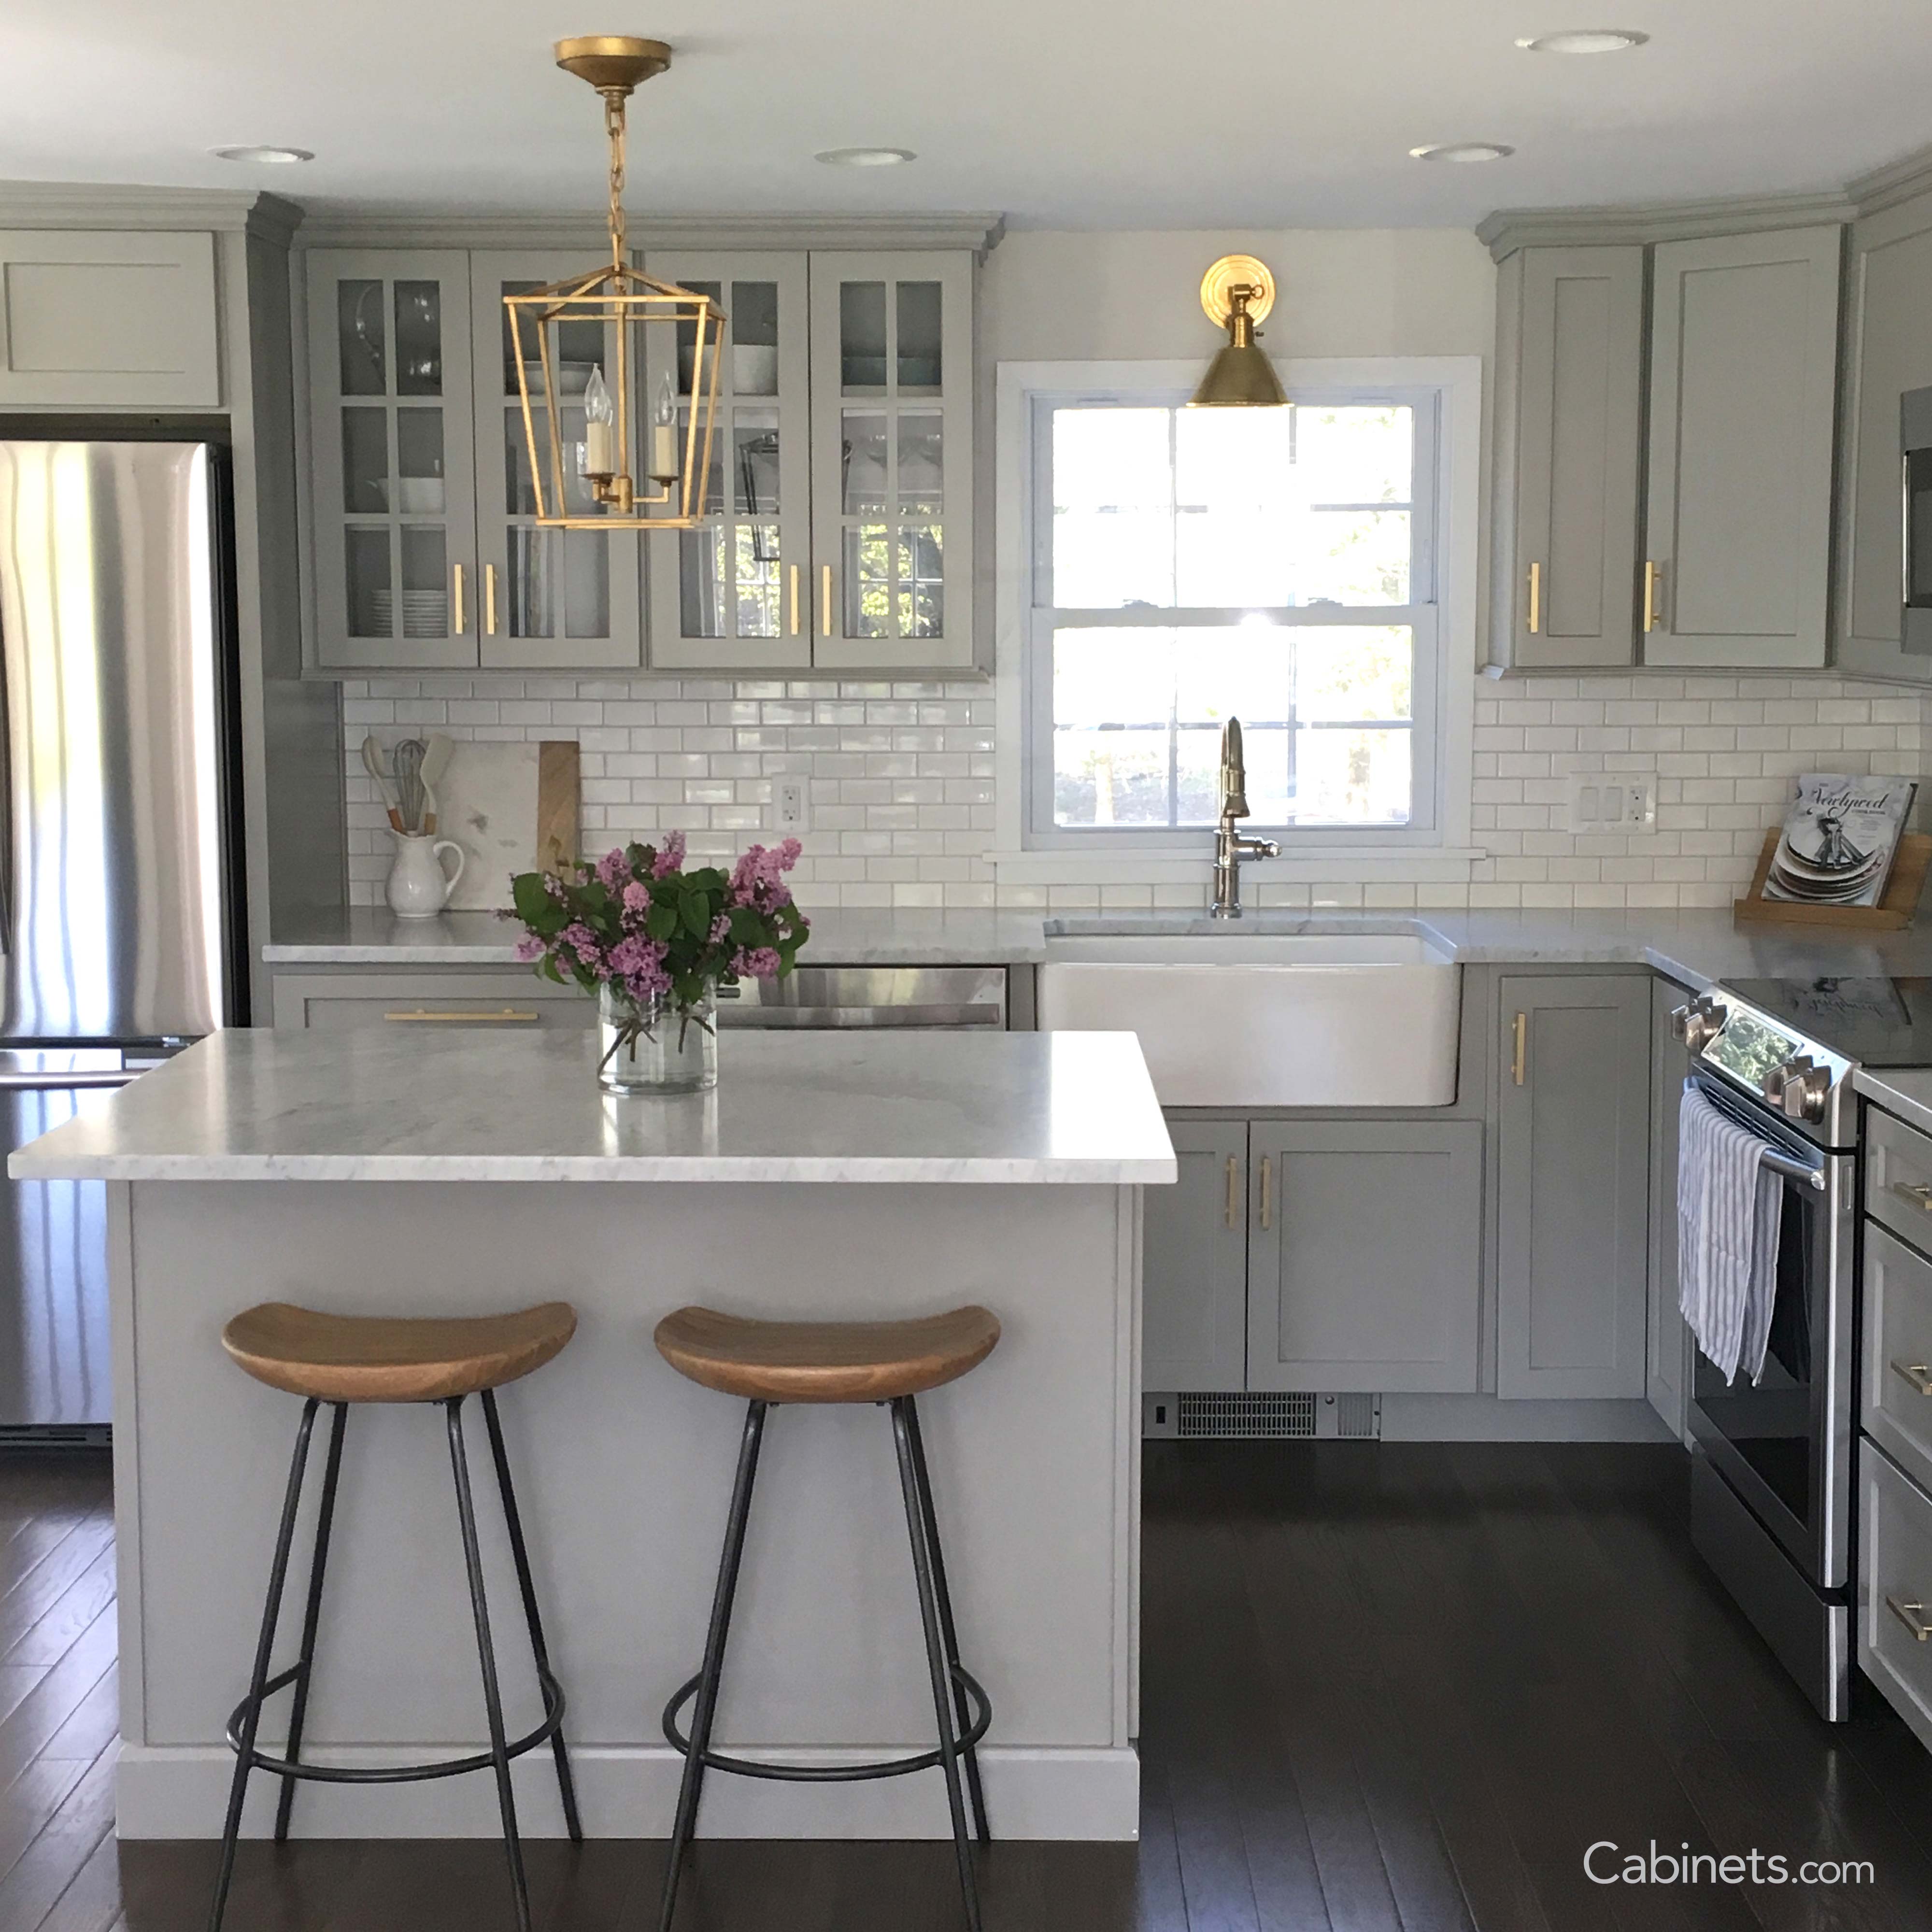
column 1897, row 181
column 101, row 204
column 1509, row 230
column 346, row 225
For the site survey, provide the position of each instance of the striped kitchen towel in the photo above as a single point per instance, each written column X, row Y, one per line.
column 1728, row 1206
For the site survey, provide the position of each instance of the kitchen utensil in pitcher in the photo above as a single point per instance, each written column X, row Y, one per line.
column 372, row 764
column 436, row 762
column 407, row 760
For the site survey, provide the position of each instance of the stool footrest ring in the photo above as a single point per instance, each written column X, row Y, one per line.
column 831, row 1774
column 392, row 1774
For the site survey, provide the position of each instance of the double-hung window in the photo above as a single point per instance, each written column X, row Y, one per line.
column 1190, row 565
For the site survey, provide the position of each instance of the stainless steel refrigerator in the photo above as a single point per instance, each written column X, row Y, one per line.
column 119, row 900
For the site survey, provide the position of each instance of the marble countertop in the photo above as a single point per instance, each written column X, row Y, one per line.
column 253, row 1104
column 1698, row 948
column 1905, row 1091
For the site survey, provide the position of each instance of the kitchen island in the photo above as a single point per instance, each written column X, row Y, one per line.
column 834, row 1176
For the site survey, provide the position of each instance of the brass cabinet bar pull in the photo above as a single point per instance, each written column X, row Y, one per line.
column 489, row 600
column 1916, row 1373
column 1918, row 1194
column 825, row 601
column 1268, row 1191
column 1234, row 1174
column 1520, row 1053
column 461, row 622
column 1535, row 598
column 1911, row 1616
column 421, row 1016
column 794, row 600
column 1653, row 576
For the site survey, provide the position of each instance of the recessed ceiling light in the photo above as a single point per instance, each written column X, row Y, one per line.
column 865, row 157
column 1463, row 151
column 1584, row 40
column 277, row 158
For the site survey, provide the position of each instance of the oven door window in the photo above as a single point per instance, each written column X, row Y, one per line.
column 1770, row 1424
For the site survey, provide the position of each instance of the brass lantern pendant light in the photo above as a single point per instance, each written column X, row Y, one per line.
column 633, row 482
column 1238, row 292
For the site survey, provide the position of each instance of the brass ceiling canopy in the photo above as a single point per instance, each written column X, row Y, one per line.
column 592, row 464
column 1237, row 293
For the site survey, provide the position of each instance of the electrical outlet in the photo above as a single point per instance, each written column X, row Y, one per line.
column 789, row 808
column 1612, row 802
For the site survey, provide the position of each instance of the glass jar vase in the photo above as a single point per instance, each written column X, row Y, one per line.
column 656, row 1046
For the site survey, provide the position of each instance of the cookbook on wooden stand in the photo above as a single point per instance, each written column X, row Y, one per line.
column 1842, row 857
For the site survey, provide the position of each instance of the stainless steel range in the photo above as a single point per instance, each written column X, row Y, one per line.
column 1771, row 1477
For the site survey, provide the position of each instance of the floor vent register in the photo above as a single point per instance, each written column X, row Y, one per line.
column 1262, row 1413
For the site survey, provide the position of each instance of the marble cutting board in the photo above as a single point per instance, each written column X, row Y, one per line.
column 513, row 808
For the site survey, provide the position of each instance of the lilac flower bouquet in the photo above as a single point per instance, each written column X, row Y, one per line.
column 651, row 941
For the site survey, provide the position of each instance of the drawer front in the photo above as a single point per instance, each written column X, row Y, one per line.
column 1898, row 1177
column 1895, row 1399
column 1895, row 1589
column 439, row 1014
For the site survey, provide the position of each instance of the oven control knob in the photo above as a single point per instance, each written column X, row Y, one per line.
column 1698, row 1023
column 1803, row 1090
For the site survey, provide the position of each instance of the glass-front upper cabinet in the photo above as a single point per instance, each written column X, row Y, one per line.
column 551, row 598
column 892, row 459
column 735, row 592
column 394, row 503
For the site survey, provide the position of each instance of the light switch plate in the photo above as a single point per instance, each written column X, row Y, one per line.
column 791, row 811
column 1622, row 802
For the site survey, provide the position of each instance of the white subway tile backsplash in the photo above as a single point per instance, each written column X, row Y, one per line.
column 900, row 780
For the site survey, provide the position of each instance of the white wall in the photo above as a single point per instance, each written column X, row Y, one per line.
column 902, row 775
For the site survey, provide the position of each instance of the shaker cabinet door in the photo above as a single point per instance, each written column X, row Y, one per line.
column 1579, row 413
column 1365, row 1255
column 1572, row 1149
column 549, row 598
column 1194, row 1265
column 394, row 501
column 892, row 455
column 736, row 593
column 1743, row 394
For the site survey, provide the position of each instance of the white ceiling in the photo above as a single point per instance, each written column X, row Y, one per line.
column 1062, row 113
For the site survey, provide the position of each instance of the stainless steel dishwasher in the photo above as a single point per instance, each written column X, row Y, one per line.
column 857, row 997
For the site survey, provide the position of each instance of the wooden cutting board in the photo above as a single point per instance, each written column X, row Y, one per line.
column 513, row 808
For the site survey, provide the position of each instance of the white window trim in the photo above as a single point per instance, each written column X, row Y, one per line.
column 1188, row 858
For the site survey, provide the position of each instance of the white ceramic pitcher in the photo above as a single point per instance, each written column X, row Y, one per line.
column 419, row 888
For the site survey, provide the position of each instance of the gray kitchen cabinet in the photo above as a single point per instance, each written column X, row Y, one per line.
column 1570, row 412
column 892, row 460
column 736, row 593
column 392, row 501
column 1573, row 1151
column 399, row 1002
column 1744, row 345
column 1365, row 1255
column 1667, row 1365
column 550, row 598
column 108, row 319
column 1194, row 1262
column 1887, row 351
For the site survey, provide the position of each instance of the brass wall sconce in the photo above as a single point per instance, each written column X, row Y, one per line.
column 1237, row 293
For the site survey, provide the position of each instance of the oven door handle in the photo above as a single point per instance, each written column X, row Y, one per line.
column 1793, row 1169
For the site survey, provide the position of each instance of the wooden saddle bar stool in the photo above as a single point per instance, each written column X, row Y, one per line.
column 345, row 1359
column 886, row 1363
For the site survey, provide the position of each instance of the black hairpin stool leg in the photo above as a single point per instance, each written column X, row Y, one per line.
column 278, row 1572
column 493, row 1700
column 962, row 1710
column 935, row 1656
column 693, row 1781
column 566, row 1784
column 305, row 1668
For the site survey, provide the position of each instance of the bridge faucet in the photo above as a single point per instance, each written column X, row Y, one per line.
column 1230, row 847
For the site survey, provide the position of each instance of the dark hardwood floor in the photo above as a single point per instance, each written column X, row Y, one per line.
column 1394, row 1689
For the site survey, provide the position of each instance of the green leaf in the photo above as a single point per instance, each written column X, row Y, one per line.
column 661, row 921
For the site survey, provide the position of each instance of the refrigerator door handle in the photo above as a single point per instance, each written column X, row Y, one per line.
column 62, row 1083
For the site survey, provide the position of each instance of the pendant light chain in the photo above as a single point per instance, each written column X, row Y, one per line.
column 613, row 125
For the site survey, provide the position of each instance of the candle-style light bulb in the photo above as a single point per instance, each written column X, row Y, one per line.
column 664, row 433
column 600, row 428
